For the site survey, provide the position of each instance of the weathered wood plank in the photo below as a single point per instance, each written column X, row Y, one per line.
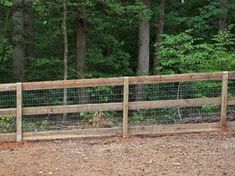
column 173, row 103
column 231, row 75
column 174, row 129
column 8, row 112
column 79, row 133
column 231, row 101
column 72, row 108
column 72, row 83
column 7, row 137
column 174, row 78
column 125, row 106
column 224, row 102
column 19, row 134
column 117, row 106
column 104, row 132
column 7, row 87
column 118, row 81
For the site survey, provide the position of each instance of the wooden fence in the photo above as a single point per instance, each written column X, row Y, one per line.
column 223, row 101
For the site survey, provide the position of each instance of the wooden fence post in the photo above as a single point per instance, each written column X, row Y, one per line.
column 224, row 102
column 125, row 106
column 19, row 134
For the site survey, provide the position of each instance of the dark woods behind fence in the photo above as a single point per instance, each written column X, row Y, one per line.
column 143, row 105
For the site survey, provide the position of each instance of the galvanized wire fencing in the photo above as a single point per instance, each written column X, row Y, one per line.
column 72, row 120
column 231, row 94
column 117, row 106
column 175, row 91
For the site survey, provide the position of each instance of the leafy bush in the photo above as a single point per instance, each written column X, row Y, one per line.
column 183, row 53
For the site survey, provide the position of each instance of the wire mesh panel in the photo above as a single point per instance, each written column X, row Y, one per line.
column 7, row 122
column 167, row 116
column 71, row 121
column 8, row 99
column 231, row 108
column 70, row 96
column 73, row 96
column 175, row 91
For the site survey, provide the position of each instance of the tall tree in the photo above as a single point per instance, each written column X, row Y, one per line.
column 223, row 20
column 81, row 52
column 143, row 51
column 144, row 39
column 65, row 50
column 28, row 28
column 160, row 29
column 18, row 40
column 81, row 43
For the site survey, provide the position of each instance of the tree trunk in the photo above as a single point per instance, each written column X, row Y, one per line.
column 18, row 40
column 28, row 28
column 160, row 29
column 81, row 44
column 144, row 38
column 143, row 52
column 65, row 52
column 81, row 53
column 223, row 20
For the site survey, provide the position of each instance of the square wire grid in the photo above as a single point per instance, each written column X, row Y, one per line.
column 175, row 91
column 72, row 96
column 7, row 122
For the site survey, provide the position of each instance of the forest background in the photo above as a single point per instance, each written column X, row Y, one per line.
column 70, row 39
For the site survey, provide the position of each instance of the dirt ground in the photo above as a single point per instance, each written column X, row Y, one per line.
column 192, row 154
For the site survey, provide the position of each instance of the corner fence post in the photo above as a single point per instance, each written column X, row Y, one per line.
column 224, row 102
column 125, row 106
column 19, row 135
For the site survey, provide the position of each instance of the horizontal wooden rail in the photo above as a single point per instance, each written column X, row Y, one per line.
column 72, row 83
column 174, row 129
column 231, row 75
column 174, row 103
column 174, row 78
column 114, row 81
column 231, row 101
column 116, row 106
column 8, row 112
column 72, row 108
column 155, row 130
column 7, row 87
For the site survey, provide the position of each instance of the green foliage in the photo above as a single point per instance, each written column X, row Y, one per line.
column 184, row 53
column 112, row 38
column 5, row 49
column 44, row 68
column 137, row 116
column 207, row 109
column 6, row 3
column 7, row 124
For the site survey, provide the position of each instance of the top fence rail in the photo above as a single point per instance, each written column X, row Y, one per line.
column 115, row 81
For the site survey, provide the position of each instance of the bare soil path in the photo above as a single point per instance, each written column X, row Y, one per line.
column 192, row 154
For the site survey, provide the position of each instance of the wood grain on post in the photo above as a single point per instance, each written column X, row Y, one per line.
column 125, row 106
column 19, row 135
column 224, row 101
